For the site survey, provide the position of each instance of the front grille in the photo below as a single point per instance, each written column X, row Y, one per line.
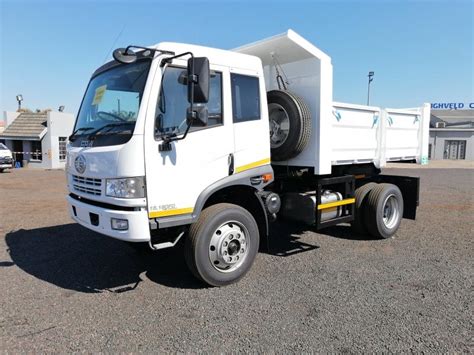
column 87, row 185
column 6, row 160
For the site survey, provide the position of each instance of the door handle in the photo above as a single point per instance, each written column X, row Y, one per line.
column 230, row 162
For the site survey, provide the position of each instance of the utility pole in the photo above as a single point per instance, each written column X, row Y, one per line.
column 371, row 75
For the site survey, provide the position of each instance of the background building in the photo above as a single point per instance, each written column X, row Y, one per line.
column 451, row 133
column 38, row 139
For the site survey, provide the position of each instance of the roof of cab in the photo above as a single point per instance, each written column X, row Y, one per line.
column 215, row 56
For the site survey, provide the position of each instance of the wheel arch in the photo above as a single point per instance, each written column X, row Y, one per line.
column 237, row 189
column 246, row 197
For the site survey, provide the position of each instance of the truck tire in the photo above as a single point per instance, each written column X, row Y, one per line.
column 358, row 224
column 290, row 124
column 222, row 245
column 384, row 210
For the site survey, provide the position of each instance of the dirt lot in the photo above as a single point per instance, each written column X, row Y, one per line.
column 64, row 288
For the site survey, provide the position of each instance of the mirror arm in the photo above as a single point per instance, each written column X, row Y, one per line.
column 168, row 61
column 146, row 48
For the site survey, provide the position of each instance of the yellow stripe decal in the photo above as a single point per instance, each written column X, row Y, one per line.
column 167, row 213
column 347, row 201
column 252, row 165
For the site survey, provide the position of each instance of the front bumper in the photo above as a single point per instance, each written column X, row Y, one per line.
column 98, row 219
column 6, row 163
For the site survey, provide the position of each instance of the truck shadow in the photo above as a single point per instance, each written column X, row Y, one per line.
column 284, row 240
column 73, row 257
column 344, row 232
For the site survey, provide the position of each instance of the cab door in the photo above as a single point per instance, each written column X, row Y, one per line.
column 249, row 116
column 175, row 178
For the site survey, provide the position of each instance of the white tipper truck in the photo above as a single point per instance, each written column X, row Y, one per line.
column 182, row 141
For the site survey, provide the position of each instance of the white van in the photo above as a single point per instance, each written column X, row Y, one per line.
column 6, row 158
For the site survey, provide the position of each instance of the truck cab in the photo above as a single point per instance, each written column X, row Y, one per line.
column 124, row 185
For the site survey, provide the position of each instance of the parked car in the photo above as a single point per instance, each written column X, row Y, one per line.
column 6, row 158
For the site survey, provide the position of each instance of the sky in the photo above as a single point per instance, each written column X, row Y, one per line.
column 420, row 51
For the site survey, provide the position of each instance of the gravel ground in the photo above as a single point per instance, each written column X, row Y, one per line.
column 66, row 289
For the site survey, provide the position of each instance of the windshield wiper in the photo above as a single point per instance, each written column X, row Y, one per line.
column 110, row 126
column 80, row 129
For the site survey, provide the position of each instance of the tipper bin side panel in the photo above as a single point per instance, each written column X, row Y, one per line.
column 402, row 131
column 356, row 134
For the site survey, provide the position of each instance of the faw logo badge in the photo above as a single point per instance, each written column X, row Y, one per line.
column 85, row 144
column 80, row 164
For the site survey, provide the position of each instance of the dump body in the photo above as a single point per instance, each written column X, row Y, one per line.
column 341, row 133
column 365, row 134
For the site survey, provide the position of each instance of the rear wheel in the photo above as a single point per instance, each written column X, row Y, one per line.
column 384, row 210
column 358, row 224
column 222, row 245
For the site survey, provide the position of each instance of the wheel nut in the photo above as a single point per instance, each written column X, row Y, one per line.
column 242, row 250
column 238, row 236
column 225, row 253
column 231, row 236
column 225, row 243
column 230, row 258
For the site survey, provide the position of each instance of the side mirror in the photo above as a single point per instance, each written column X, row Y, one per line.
column 198, row 116
column 198, row 80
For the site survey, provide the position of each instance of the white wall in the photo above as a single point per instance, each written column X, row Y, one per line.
column 60, row 124
column 438, row 137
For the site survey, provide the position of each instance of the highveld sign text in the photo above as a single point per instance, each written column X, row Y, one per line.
column 452, row 105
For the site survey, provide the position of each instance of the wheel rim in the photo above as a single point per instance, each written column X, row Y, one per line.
column 391, row 212
column 279, row 125
column 229, row 246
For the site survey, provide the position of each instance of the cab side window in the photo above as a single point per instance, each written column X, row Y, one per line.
column 245, row 98
column 173, row 102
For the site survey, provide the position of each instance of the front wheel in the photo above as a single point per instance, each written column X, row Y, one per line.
column 222, row 245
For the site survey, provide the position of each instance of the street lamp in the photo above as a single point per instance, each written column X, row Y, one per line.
column 19, row 98
column 371, row 75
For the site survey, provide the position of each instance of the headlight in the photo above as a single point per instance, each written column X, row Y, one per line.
column 126, row 188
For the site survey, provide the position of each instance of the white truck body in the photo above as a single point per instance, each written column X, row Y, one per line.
column 341, row 133
column 135, row 174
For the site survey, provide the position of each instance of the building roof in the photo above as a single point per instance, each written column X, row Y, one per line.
column 27, row 126
column 453, row 118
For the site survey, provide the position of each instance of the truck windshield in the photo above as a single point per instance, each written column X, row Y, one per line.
column 111, row 103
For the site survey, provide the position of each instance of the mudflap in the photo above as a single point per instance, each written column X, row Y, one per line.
column 410, row 188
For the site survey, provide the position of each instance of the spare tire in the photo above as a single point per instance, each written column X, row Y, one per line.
column 290, row 124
